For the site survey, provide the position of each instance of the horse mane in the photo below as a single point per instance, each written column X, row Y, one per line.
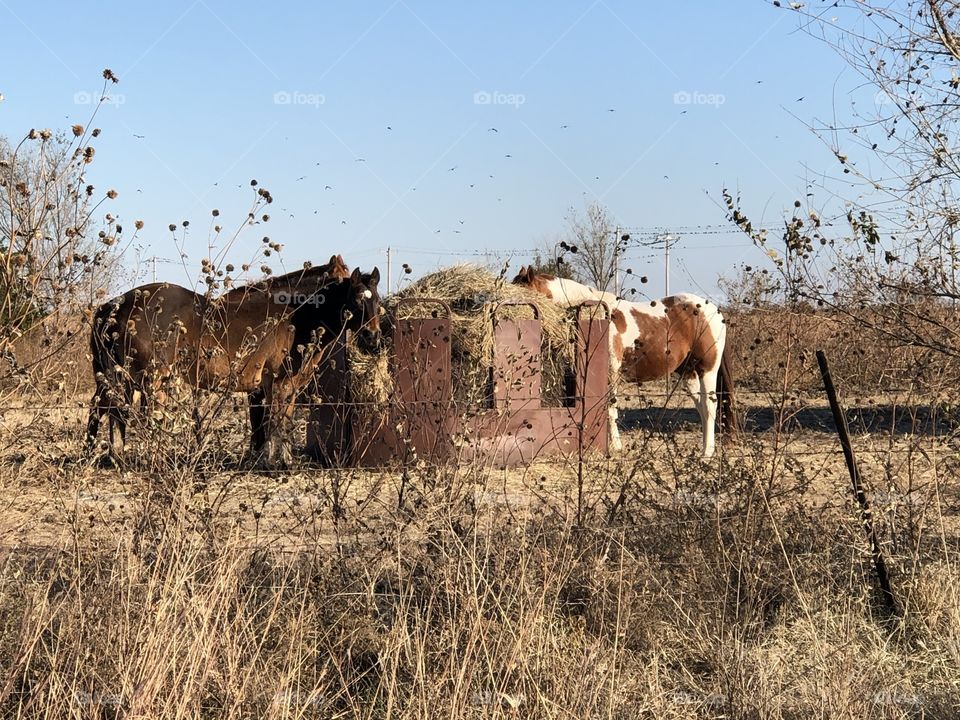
column 310, row 276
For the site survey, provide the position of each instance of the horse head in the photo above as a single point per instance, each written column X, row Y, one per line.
column 361, row 308
column 538, row 282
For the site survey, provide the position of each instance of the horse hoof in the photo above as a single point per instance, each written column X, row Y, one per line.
column 108, row 461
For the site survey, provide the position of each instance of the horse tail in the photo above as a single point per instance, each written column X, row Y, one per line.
column 101, row 345
column 106, row 339
column 727, row 407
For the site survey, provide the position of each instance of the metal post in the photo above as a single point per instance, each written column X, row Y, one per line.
column 154, row 261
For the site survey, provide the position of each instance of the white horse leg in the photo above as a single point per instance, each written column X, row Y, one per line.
column 708, row 398
column 615, row 442
column 693, row 385
column 614, row 411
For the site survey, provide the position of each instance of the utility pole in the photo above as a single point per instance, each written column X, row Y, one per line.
column 667, row 239
column 389, row 270
column 616, row 261
column 153, row 261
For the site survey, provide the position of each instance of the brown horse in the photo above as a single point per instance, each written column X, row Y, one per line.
column 264, row 339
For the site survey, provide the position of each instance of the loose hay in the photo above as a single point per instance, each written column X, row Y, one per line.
column 474, row 294
column 370, row 380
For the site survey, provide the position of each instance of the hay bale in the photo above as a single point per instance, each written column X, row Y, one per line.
column 473, row 294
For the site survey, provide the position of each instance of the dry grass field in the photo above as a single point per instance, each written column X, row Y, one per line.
column 646, row 584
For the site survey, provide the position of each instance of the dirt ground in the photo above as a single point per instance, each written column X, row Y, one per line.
column 53, row 492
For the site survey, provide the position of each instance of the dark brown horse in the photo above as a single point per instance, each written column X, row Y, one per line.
column 264, row 339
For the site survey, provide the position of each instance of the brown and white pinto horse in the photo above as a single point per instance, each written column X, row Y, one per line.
column 264, row 339
column 682, row 333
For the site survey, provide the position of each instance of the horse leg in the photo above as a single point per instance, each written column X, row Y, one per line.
column 615, row 442
column 258, row 419
column 708, row 416
column 695, row 389
column 118, row 432
column 98, row 408
column 280, row 401
column 614, row 411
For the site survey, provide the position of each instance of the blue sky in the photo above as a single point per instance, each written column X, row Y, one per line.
column 295, row 95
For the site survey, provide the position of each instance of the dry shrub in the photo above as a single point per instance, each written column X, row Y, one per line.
column 708, row 591
column 52, row 359
column 862, row 359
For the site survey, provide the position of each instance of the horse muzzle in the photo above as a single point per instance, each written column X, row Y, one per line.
column 369, row 340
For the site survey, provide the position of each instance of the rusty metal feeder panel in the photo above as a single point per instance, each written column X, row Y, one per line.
column 423, row 422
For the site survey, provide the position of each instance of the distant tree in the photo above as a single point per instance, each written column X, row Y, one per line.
column 592, row 247
column 550, row 260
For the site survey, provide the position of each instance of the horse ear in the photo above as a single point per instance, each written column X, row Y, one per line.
column 524, row 273
column 333, row 261
column 375, row 276
column 355, row 276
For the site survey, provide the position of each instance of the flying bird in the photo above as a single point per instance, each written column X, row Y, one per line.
column 328, row 187
column 492, row 130
column 302, row 177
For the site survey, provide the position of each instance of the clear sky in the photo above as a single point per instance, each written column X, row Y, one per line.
column 443, row 129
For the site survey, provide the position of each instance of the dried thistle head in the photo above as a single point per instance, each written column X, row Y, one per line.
column 77, row 130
